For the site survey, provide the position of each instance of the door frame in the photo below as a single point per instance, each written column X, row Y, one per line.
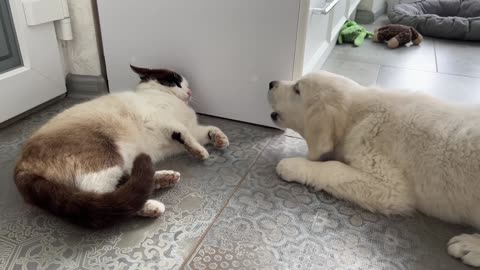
column 42, row 76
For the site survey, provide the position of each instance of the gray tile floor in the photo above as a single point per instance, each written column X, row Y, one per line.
column 233, row 212
column 447, row 69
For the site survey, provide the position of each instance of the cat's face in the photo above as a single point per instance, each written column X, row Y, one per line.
column 164, row 80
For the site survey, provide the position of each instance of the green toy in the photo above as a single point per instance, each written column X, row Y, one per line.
column 351, row 32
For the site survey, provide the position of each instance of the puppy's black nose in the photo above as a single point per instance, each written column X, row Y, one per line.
column 274, row 116
column 272, row 85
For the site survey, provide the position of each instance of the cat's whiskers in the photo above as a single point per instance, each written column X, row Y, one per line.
column 193, row 101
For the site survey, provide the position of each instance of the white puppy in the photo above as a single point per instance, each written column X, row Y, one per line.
column 389, row 152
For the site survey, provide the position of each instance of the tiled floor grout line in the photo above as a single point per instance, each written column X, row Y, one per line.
column 458, row 75
column 292, row 136
column 378, row 74
column 200, row 240
column 410, row 69
column 435, row 53
column 379, row 64
column 434, row 72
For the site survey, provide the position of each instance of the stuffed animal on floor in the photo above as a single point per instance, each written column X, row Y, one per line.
column 396, row 35
column 351, row 32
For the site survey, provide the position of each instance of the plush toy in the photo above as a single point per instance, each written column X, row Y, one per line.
column 351, row 32
column 396, row 35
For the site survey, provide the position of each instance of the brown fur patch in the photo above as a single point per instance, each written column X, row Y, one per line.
column 90, row 209
column 61, row 154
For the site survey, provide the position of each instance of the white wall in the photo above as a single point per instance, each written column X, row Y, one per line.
column 378, row 5
column 372, row 5
column 391, row 3
column 82, row 55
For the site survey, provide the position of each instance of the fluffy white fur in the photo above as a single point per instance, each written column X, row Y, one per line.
column 389, row 152
column 144, row 123
column 101, row 182
column 166, row 178
column 152, row 209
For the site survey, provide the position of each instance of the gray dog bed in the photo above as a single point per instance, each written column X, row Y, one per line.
column 452, row 19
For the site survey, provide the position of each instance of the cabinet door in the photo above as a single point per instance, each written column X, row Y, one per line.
column 319, row 38
column 318, row 34
column 338, row 18
column 352, row 5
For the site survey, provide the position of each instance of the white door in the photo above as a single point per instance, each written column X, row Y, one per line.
column 31, row 71
column 228, row 49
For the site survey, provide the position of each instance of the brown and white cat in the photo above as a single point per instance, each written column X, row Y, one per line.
column 92, row 163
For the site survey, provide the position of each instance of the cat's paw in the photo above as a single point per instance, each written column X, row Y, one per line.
column 152, row 209
column 199, row 152
column 218, row 138
column 165, row 179
column 466, row 247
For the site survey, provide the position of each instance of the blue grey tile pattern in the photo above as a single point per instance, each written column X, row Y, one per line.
column 271, row 224
column 32, row 239
column 228, row 212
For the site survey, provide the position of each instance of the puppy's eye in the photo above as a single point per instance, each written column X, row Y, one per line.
column 296, row 89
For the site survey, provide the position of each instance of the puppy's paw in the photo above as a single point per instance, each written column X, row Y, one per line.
column 466, row 247
column 218, row 138
column 165, row 179
column 152, row 209
column 292, row 170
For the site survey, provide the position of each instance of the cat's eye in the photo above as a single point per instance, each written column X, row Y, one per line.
column 177, row 79
column 296, row 89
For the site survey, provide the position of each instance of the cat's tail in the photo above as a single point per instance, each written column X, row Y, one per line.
column 91, row 209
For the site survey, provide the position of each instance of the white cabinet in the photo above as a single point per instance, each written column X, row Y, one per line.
column 321, row 31
column 228, row 49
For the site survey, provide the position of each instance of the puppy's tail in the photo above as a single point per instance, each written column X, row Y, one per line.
column 90, row 209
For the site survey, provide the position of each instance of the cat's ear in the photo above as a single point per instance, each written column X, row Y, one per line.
column 163, row 76
column 142, row 72
column 177, row 77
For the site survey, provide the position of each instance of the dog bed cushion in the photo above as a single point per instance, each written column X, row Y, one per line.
column 452, row 19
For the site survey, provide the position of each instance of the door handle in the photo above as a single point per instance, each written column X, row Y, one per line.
column 325, row 10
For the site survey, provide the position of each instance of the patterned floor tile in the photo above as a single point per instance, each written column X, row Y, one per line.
column 32, row 239
column 271, row 224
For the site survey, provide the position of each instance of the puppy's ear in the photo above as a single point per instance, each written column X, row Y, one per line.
column 319, row 131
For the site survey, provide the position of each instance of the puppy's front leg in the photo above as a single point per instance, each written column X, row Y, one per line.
column 298, row 170
column 466, row 247
column 389, row 195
